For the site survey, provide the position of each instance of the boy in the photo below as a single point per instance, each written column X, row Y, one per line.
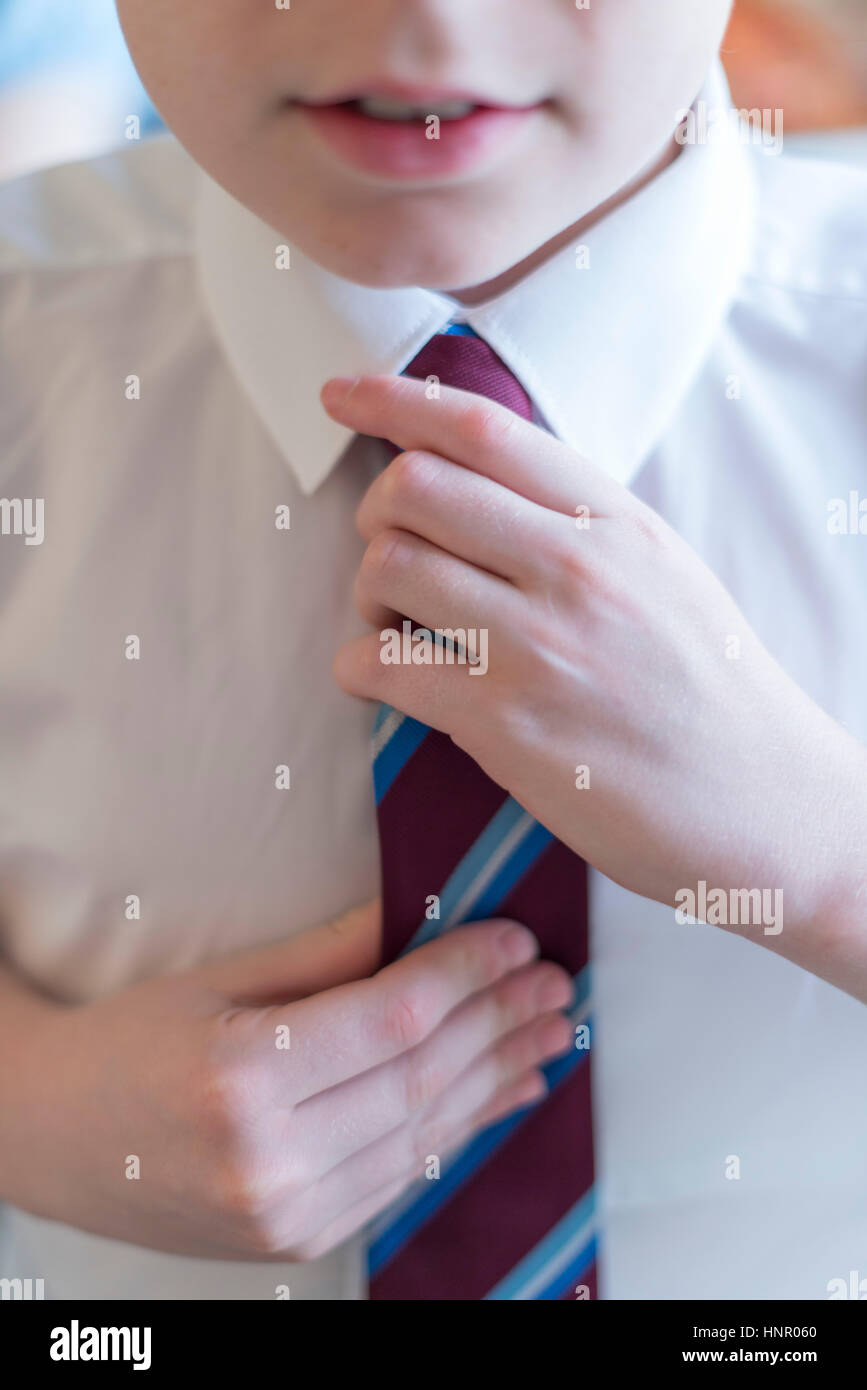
column 681, row 326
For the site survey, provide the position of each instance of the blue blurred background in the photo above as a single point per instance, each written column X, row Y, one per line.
column 67, row 85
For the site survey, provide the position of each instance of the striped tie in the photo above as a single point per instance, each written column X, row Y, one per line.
column 511, row 1216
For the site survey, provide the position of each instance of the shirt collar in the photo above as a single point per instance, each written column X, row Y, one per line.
column 606, row 351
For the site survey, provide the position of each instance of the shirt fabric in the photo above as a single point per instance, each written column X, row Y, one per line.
column 708, row 348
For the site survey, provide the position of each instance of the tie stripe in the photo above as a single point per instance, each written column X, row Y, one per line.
column 506, row 846
column 416, row 796
column 424, row 1199
column 388, row 721
column 559, row 1259
column 511, row 1215
column 402, row 736
column 463, row 1230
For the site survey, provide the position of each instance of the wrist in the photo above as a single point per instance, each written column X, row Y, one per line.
column 829, row 916
column 31, row 1046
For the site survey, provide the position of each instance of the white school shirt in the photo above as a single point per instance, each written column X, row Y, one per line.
column 708, row 349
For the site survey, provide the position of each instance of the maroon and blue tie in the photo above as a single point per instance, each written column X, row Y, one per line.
column 511, row 1216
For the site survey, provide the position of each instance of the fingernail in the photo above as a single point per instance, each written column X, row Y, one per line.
column 336, row 390
column 554, row 1036
column 554, row 993
column 518, row 943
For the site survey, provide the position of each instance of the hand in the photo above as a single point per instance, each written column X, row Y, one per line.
column 627, row 704
column 252, row 1151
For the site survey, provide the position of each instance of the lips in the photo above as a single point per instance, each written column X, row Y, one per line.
column 406, row 134
column 391, row 108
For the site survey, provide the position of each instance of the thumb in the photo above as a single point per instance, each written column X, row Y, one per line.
column 333, row 953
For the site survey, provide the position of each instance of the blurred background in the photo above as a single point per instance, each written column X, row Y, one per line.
column 67, row 86
column 66, row 83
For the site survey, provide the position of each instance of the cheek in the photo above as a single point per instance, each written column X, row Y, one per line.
column 627, row 71
column 187, row 55
column 647, row 68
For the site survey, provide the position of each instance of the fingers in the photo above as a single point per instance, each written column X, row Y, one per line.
column 460, row 512
column 530, row 1046
column 405, row 1150
column 347, row 948
column 432, row 694
column 347, row 1118
column 484, row 436
column 401, row 573
column 516, row 1095
column 527, row 1090
column 506, row 1079
column 343, row 1032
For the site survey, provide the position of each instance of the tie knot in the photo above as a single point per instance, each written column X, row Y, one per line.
column 465, row 361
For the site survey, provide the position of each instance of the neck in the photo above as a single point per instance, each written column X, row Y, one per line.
column 475, row 294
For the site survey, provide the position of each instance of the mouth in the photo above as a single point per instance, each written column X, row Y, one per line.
column 380, row 107
column 398, row 133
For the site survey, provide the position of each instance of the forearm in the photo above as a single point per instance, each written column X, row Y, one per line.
column 25, row 1016
column 820, row 886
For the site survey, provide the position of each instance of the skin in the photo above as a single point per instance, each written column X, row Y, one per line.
column 224, row 74
column 250, row 1152
column 473, row 525
column 253, row 1152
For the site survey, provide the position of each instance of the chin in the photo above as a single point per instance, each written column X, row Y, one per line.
column 438, row 254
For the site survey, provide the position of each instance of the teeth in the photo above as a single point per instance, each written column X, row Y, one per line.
column 453, row 110
column 391, row 109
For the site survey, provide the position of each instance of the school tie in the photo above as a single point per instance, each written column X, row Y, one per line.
column 511, row 1216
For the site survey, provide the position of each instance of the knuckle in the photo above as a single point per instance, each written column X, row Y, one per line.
column 512, row 721
column 296, row 1176
column 227, row 1093
column 568, row 562
column 508, row 1062
column 513, row 1055
column 381, row 555
column 482, row 961
column 252, row 1200
column 646, row 526
column 424, row 1080
column 409, row 1017
column 409, row 476
column 428, row 1141
column 513, row 999
column 245, row 1195
column 486, row 425
column 391, row 389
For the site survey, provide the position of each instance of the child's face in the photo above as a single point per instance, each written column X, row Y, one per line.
column 555, row 109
